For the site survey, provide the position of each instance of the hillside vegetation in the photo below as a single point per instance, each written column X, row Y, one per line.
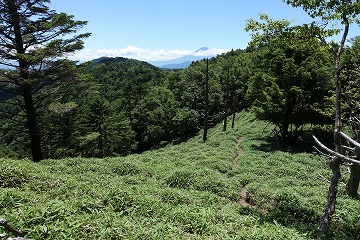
column 238, row 185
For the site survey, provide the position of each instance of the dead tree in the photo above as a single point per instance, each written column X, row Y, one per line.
column 206, row 101
column 353, row 147
column 226, row 99
column 337, row 159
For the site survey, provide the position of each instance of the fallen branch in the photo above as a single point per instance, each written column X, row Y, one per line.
column 342, row 157
column 4, row 223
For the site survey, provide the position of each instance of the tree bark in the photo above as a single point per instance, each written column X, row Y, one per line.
column 233, row 120
column 336, row 162
column 354, row 180
column 226, row 100
column 330, row 207
column 353, row 184
column 30, row 111
column 32, row 124
column 206, row 101
column 4, row 223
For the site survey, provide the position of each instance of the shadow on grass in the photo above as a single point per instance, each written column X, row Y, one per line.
column 290, row 212
column 304, row 144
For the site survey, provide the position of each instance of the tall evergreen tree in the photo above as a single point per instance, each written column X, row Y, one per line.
column 33, row 47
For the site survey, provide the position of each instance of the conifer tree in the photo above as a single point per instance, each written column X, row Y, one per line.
column 34, row 49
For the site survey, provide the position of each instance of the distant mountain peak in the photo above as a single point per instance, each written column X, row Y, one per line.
column 203, row 49
column 184, row 61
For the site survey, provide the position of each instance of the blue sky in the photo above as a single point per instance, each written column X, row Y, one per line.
column 166, row 29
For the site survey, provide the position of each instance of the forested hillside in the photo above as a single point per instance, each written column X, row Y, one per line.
column 123, row 106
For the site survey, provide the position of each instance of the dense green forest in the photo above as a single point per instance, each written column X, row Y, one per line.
column 122, row 106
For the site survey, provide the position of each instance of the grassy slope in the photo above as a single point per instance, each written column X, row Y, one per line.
column 187, row 191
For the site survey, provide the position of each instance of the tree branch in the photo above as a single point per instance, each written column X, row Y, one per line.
column 346, row 31
column 324, row 154
column 342, row 157
column 4, row 223
column 353, row 142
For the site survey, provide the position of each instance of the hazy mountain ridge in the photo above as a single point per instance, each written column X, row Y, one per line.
column 182, row 62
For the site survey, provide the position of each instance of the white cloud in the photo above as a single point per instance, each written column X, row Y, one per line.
column 212, row 52
column 142, row 54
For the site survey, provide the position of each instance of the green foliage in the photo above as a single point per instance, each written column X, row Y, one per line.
column 327, row 10
column 101, row 131
column 181, row 179
column 154, row 116
column 291, row 80
column 190, row 190
column 269, row 31
column 288, row 210
column 124, row 80
column 185, row 123
column 12, row 177
column 34, row 49
column 351, row 76
column 131, row 106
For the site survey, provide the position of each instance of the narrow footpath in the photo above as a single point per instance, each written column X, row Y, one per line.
column 243, row 196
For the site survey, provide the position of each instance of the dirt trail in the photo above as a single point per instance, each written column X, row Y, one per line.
column 244, row 199
column 238, row 154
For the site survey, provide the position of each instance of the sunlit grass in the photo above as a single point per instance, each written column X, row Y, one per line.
column 185, row 191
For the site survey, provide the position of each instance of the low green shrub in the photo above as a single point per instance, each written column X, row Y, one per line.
column 185, row 191
column 12, row 177
column 126, row 168
column 174, row 197
column 119, row 201
column 181, row 179
column 289, row 210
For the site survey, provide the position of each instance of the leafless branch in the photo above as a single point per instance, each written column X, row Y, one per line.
column 333, row 153
column 348, row 148
column 9, row 91
column 11, row 113
column 16, row 130
column 324, row 154
column 327, row 180
column 353, row 142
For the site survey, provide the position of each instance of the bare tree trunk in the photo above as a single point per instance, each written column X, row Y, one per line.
column 206, row 101
column 336, row 162
column 331, row 204
column 32, row 124
column 233, row 120
column 226, row 100
column 353, row 183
